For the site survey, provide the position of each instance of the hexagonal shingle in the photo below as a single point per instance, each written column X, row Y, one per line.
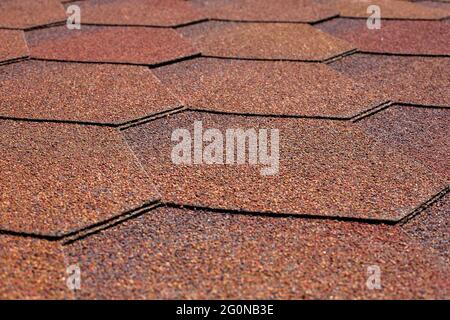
column 325, row 168
column 100, row 93
column 267, row 87
column 30, row 13
column 277, row 41
column 133, row 45
column 184, row 254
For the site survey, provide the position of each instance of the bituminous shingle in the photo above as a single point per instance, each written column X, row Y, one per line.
column 394, row 36
column 30, row 13
column 101, row 93
column 135, row 45
column 267, row 87
column 285, row 41
column 58, row 178
column 326, row 168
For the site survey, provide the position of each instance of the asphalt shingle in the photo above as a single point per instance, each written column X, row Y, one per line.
column 57, row 178
column 276, row 41
column 100, row 93
column 109, row 44
column 326, row 168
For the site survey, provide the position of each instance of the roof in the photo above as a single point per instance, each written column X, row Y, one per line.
column 89, row 119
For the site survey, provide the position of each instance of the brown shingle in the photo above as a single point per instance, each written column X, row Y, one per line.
column 266, row 87
column 182, row 254
column 60, row 177
column 266, row 10
column 135, row 45
column 81, row 92
column 30, row 13
column 138, row 12
column 326, row 168
column 285, row 41
column 12, row 45
column 420, row 80
column 395, row 36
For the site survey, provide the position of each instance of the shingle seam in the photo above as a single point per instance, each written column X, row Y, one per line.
column 15, row 60
column 271, row 214
column 121, row 126
column 372, row 111
column 424, row 206
column 393, row 104
column 73, row 236
column 168, row 26
column 90, row 229
column 336, row 57
column 60, row 121
column 149, row 118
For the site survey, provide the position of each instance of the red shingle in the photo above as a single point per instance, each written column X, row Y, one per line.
column 30, row 13
column 260, row 87
column 12, row 45
column 58, row 177
column 81, row 92
column 32, row 269
column 284, row 41
column 109, row 44
column 266, row 10
column 138, row 12
column 182, row 254
column 420, row 80
column 389, row 9
column 326, row 168
column 395, row 36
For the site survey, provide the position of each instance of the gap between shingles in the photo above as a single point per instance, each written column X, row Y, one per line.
column 73, row 236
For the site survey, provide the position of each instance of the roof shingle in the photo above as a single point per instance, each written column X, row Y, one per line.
column 276, row 41
column 134, row 45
